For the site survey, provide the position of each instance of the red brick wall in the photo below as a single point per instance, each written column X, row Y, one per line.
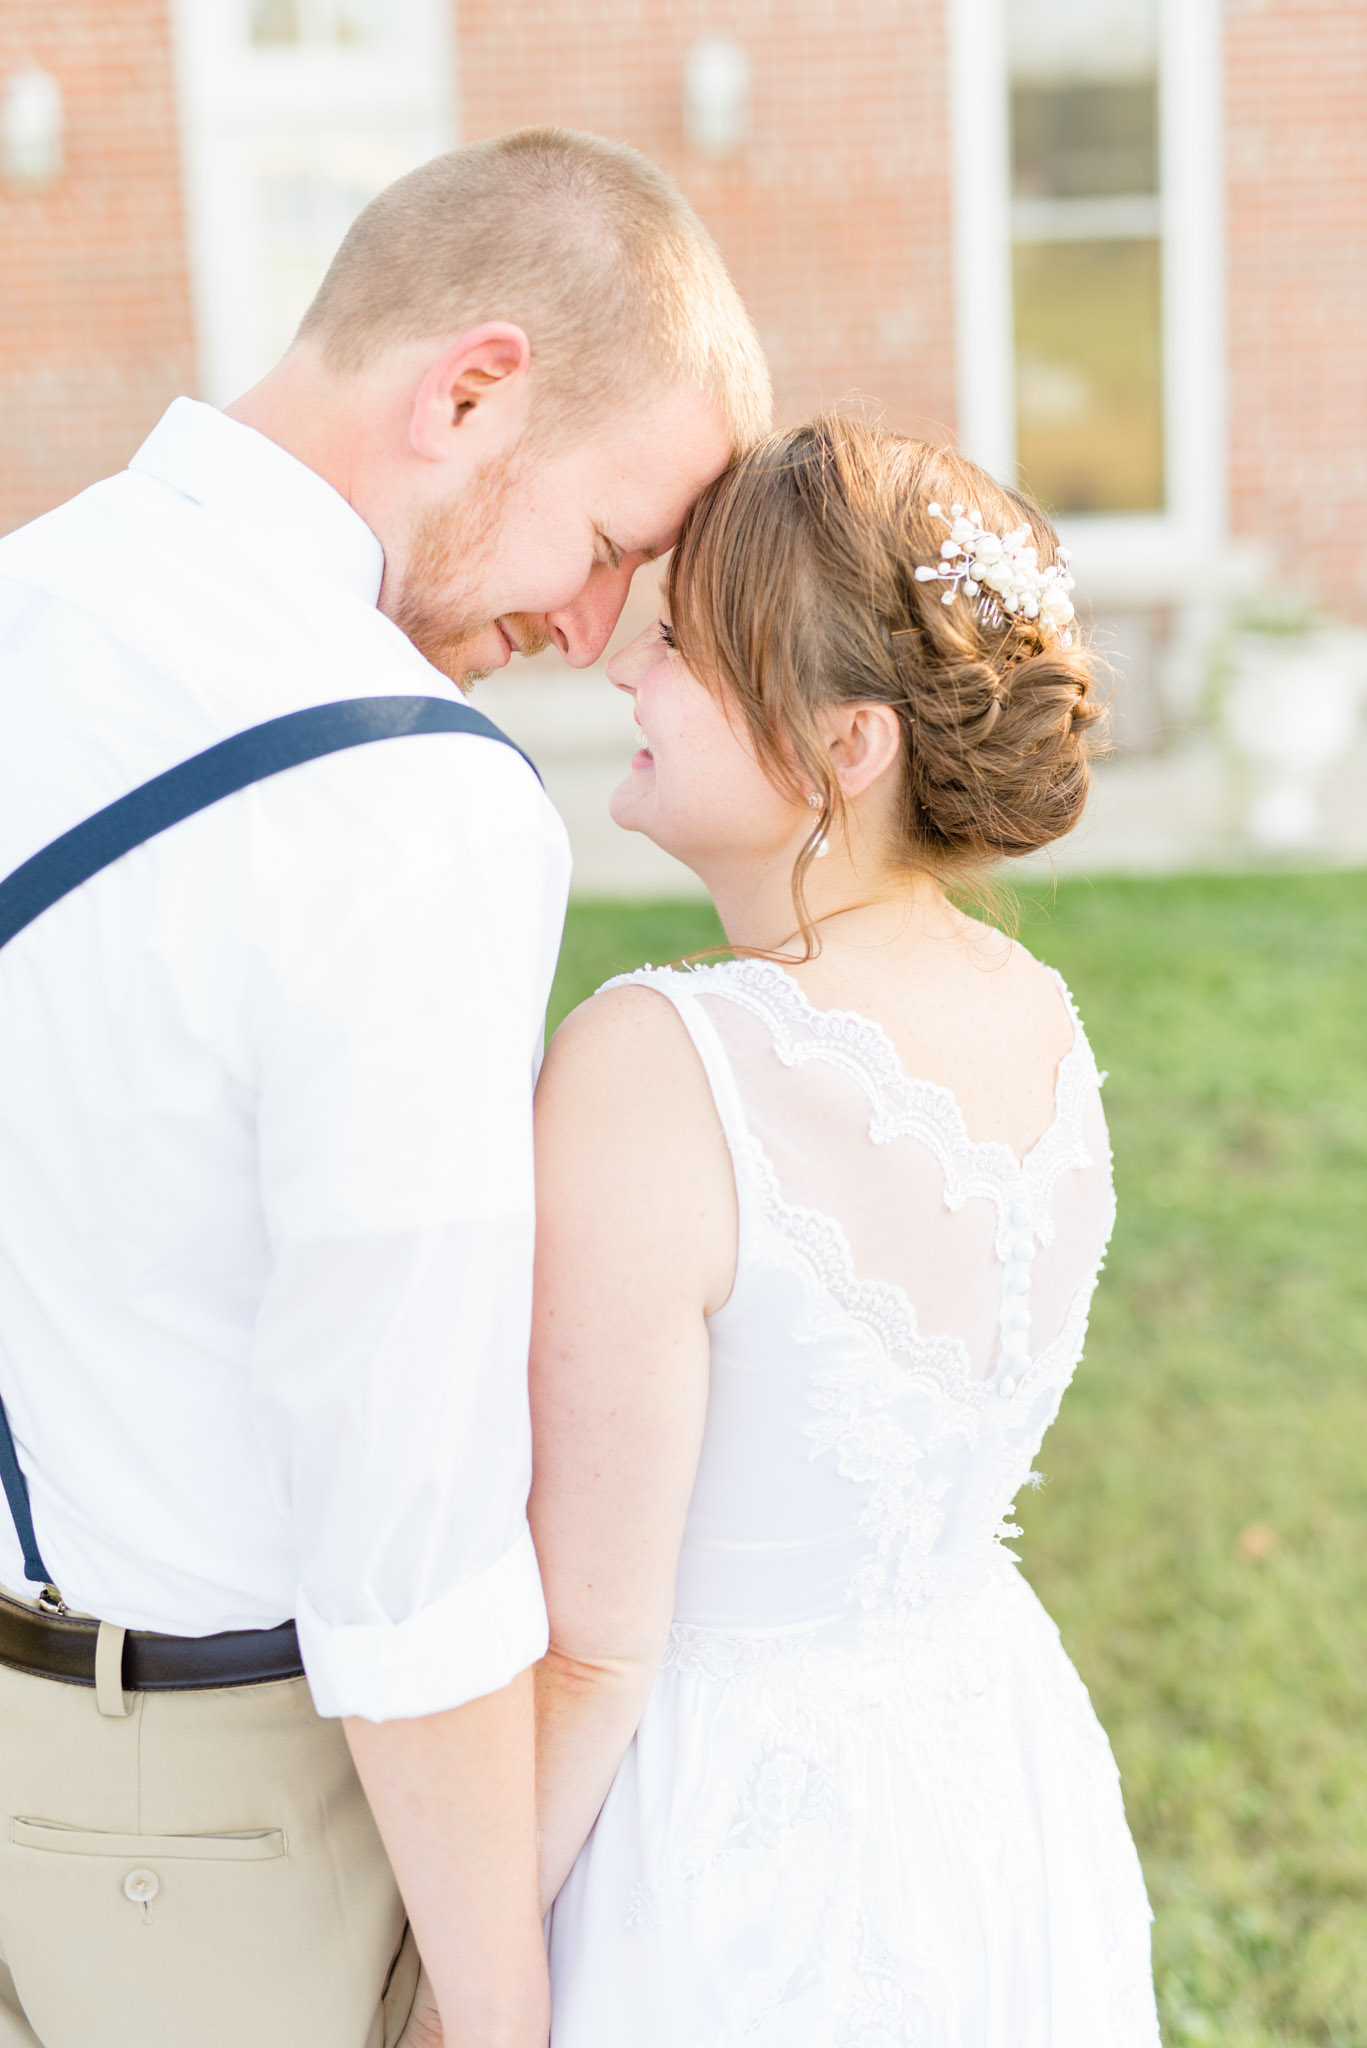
column 1297, row 154
column 95, row 322
column 834, row 218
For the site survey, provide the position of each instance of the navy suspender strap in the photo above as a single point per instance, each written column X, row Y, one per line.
column 220, row 771
column 205, row 779
column 16, row 1493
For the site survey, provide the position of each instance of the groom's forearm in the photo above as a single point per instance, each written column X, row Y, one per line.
column 453, row 1798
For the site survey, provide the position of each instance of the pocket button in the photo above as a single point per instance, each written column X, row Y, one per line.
column 141, row 1886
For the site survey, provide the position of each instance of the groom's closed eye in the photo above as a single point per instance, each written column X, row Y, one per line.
column 614, row 553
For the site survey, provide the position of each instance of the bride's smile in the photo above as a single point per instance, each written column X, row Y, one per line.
column 696, row 785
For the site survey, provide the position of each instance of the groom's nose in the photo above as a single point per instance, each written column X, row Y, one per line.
column 582, row 628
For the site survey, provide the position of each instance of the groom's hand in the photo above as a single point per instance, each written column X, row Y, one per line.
column 424, row 2022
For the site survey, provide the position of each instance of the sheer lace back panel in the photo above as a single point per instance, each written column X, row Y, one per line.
column 909, row 1307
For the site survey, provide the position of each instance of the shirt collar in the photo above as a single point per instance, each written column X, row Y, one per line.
column 242, row 475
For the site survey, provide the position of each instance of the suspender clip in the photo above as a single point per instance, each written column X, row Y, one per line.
column 50, row 1601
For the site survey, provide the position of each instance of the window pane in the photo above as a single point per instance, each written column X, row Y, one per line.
column 1058, row 41
column 275, row 21
column 1084, row 141
column 305, row 209
column 319, row 24
column 361, row 21
column 1086, row 219
column 1089, row 417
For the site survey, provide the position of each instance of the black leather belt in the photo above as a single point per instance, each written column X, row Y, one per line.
column 62, row 1646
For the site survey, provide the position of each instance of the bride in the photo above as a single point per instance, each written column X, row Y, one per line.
column 820, row 1225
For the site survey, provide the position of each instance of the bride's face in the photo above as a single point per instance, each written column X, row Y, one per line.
column 696, row 786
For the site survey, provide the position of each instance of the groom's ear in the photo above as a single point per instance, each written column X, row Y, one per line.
column 481, row 380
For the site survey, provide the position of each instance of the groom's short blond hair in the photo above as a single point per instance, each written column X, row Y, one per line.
column 585, row 244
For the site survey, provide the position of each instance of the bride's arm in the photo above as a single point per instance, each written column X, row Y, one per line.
column 636, row 1241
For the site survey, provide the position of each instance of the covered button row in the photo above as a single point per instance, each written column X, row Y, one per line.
column 1015, row 1315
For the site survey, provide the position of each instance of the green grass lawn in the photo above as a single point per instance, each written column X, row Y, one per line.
column 1202, row 1537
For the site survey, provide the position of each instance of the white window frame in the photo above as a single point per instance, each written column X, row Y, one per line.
column 234, row 96
column 1121, row 558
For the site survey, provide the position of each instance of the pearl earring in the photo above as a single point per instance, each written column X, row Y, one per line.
column 822, row 847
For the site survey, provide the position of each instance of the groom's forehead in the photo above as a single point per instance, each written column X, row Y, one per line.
column 650, row 469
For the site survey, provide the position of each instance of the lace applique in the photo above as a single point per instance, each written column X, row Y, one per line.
column 784, row 1820
column 783, row 1772
column 895, row 2001
column 779, row 1778
column 903, row 1515
column 880, row 1305
column 1053, row 1370
column 856, row 1402
column 717, row 1654
column 786, row 1802
column 788, row 1785
column 847, row 1988
column 905, row 1106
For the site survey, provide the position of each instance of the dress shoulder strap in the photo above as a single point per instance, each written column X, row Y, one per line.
column 682, row 986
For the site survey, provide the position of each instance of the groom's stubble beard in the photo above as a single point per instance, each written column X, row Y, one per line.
column 449, row 547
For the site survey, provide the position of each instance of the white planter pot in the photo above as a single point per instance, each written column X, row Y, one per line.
column 1291, row 712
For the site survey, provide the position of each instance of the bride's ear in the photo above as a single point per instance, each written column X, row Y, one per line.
column 864, row 741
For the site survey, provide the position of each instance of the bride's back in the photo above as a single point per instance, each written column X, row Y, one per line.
column 867, row 687
column 923, row 1197
column 962, row 1006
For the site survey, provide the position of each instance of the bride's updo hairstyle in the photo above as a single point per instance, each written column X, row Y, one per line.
column 794, row 588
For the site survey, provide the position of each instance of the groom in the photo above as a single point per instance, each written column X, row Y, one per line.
column 265, row 1162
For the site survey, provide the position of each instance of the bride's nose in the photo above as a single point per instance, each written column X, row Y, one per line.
column 624, row 670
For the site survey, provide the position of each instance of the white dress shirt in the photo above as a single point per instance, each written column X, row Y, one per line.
column 265, row 1132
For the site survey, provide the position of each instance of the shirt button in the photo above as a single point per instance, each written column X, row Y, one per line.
column 141, row 1886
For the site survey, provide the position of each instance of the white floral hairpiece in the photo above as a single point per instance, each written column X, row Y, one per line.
column 1003, row 569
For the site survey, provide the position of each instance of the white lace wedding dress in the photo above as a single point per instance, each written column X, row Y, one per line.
column 868, row 1804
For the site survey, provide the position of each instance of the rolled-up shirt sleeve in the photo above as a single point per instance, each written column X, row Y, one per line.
column 397, row 1011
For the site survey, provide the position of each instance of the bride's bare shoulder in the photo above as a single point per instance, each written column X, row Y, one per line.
column 630, row 1148
column 627, row 1048
column 1027, row 982
column 628, row 1019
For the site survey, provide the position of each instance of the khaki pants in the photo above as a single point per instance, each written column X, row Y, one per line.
column 199, row 1872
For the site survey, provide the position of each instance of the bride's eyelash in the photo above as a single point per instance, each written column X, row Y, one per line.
column 667, row 634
